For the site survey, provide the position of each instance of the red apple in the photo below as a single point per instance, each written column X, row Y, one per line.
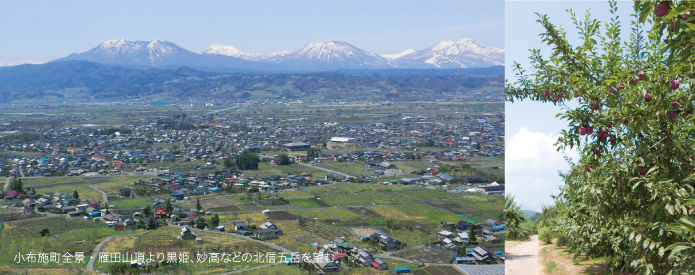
column 647, row 97
column 640, row 169
column 595, row 107
column 621, row 85
column 609, row 125
column 588, row 170
column 582, row 131
column 672, row 114
column 641, row 75
column 634, row 80
column 661, row 9
column 674, row 84
column 589, row 130
column 674, row 104
column 686, row 15
column 612, row 91
column 613, row 142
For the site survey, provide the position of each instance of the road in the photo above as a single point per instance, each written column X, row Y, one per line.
column 7, row 185
column 104, row 198
column 97, row 249
column 524, row 259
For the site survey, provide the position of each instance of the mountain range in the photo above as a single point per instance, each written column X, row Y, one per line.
column 320, row 56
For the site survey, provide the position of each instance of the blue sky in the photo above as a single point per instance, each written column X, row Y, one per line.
column 532, row 162
column 45, row 30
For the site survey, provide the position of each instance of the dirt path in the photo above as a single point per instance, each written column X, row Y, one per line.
column 97, row 249
column 523, row 259
column 104, row 198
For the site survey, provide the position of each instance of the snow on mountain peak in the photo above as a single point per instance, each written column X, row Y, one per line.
column 398, row 55
column 224, row 50
column 235, row 52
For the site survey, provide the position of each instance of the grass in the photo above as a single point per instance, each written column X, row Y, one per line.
column 120, row 244
column 129, row 203
column 83, row 191
column 221, row 243
column 349, row 168
column 295, row 238
column 304, row 203
column 552, row 268
column 296, row 194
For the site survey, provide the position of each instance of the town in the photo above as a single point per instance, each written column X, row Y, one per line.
column 362, row 188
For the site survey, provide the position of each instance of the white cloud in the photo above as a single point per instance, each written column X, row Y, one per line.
column 532, row 164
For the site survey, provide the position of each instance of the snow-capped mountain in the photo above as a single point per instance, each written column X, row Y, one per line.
column 321, row 56
column 464, row 53
column 334, row 55
column 235, row 52
column 155, row 54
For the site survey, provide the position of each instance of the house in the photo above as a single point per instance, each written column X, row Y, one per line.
column 266, row 234
column 131, row 224
column 187, row 234
column 147, row 221
column 342, row 245
column 325, row 263
column 297, row 146
column 111, row 217
column 482, row 255
column 239, row 226
column 73, row 214
column 448, row 224
column 125, row 192
column 178, row 195
column 161, row 212
column 463, row 260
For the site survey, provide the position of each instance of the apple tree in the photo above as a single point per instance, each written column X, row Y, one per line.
column 629, row 195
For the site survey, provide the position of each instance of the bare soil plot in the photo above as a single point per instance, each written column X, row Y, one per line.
column 320, row 202
column 282, row 216
column 425, row 254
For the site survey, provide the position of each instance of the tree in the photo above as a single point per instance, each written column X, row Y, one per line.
column 45, row 232
column 75, row 195
column 514, row 218
column 461, row 251
column 168, row 207
column 228, row 163
column 215, row 221
column 247, row 161
column 151, row 224
column 200, row 224
column 16, row 185
column 627, row 196
column 471, row 234
column 147, row 211
column 197, row 205
column 283, row 159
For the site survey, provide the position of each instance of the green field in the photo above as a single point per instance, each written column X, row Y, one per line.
column 327, row 214
column 129, row 203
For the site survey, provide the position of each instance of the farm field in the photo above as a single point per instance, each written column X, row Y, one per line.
column 129, row 203
column 336, row 196
column 83, row 191
column 284, row 170
column 222, row 243
column 332, row 214
column 295, row 238
column 473, row 206
column 354, row 169
column 120, row 244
